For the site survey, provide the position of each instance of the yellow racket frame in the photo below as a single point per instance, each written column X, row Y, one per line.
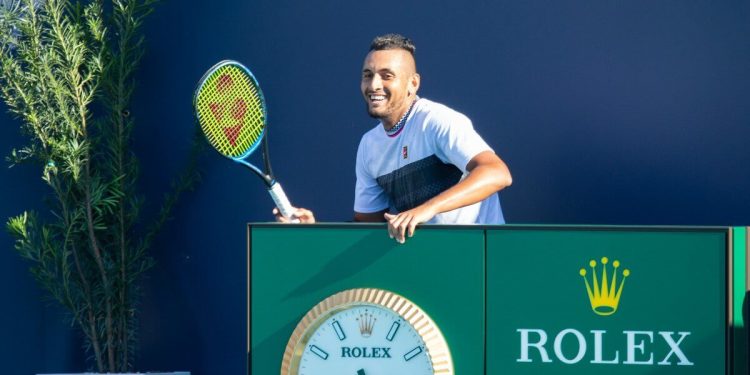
column 231, row 109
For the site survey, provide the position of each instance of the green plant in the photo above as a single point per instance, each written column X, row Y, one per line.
column 66, row 71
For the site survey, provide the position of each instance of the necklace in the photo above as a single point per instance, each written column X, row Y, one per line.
column 394, row 131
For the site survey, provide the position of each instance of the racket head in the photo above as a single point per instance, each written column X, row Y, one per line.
column 230, row 109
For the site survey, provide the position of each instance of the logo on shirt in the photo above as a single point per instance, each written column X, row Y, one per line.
column 405, row 152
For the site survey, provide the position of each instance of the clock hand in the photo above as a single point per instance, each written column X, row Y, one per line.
column 361, row 371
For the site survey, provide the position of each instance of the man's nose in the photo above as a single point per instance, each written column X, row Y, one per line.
column 375, row 83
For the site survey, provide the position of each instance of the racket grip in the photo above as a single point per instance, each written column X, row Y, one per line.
column 282, row 202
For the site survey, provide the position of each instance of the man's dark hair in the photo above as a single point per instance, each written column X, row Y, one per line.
column 392, row 41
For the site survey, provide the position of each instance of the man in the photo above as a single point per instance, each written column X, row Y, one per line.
column 423, row 163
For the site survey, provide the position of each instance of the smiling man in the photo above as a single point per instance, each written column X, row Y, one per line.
column 423, row 162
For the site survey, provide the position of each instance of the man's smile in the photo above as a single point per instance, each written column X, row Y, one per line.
column 377, row 98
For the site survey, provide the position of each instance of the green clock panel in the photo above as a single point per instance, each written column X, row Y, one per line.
column 292, row 268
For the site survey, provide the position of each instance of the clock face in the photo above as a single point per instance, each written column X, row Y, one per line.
column 366, row 331
column 365, row 339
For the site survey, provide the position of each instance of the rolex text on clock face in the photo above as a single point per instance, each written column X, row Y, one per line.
column 365, row 339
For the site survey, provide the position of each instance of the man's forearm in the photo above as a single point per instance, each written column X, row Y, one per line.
column 488, row 176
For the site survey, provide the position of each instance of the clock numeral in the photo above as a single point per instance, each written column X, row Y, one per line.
column 319, row 352
column 339, row 331
column 392, row 332
column 413, row 353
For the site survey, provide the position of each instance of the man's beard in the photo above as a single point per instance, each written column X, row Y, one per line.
column 370, row 112
column 374, row 114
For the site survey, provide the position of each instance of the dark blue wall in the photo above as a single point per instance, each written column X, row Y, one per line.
column 33, row 337
column 607, row 112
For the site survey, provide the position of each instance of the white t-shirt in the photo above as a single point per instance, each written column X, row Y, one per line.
column 427, row 157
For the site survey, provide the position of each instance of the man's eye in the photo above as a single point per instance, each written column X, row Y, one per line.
column 388, row 76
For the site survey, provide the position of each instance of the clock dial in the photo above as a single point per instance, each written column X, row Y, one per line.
column 367, row 339
column 366, row 332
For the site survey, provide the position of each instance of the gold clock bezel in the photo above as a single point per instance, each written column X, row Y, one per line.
column 436, row 346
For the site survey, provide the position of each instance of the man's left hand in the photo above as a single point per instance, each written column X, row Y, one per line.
column 405, row 223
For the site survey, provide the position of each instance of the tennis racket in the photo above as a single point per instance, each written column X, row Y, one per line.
column 231, row 111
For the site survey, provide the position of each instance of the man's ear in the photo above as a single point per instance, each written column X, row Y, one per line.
column 414, row 84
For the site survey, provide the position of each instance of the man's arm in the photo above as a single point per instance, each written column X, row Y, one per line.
column 488, row 174
column 372, row 217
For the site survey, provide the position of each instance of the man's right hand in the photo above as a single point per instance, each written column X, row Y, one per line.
column 302, row 215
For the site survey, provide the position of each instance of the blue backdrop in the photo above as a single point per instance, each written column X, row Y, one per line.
column 607, row 112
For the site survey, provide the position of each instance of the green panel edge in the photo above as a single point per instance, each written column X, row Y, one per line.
column 739, row 240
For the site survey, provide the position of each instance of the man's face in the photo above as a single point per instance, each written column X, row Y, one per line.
column 389, row 84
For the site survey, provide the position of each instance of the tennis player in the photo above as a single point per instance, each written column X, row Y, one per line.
column 423, row 162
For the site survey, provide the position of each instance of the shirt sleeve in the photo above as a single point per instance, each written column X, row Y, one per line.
column 456, row 141
column 368, row 195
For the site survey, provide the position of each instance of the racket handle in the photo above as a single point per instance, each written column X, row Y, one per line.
column 282, row 202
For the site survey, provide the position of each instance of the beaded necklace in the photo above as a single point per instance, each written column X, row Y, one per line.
column 394, row 131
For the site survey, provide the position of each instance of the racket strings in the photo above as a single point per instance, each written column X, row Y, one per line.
column 231, row 111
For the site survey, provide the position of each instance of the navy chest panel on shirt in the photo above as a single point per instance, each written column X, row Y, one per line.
column 417, row 182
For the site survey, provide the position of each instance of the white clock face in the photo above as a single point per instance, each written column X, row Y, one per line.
column 365, row 339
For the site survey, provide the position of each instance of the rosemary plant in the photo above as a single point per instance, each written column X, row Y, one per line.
column 66, row 71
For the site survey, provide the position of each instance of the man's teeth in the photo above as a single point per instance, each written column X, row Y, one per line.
column 377, row 97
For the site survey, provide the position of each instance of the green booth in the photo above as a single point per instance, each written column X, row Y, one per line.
column 346, row 299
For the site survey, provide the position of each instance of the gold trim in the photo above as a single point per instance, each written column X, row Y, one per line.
column 437, row 347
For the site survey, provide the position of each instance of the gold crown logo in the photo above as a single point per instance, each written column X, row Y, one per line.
column 366, row 324
column 603, row 296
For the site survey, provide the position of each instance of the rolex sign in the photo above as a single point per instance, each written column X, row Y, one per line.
column 606, row 302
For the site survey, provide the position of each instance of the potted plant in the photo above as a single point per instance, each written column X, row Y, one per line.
column 66, row 71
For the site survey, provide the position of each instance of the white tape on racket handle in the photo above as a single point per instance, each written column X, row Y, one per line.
column 282, row 202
